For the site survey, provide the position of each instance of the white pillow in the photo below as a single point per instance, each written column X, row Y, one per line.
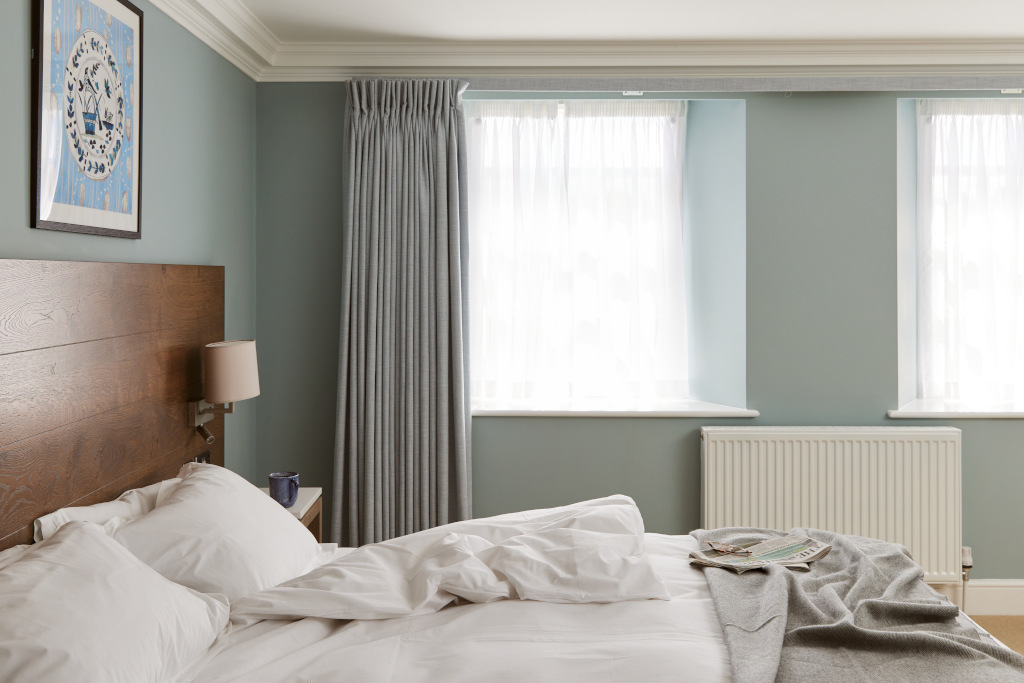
column 217, row 533
column 79, row 607
column 128, row 505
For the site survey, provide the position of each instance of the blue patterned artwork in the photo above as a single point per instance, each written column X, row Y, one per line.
column 88, row 144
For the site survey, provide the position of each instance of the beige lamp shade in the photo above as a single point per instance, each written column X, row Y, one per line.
column 231, row 373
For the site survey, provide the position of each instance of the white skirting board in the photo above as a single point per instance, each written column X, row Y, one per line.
column 995, row 596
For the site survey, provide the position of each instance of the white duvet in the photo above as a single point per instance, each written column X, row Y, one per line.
column 560, row 596
column 654, row 641
column 591, row 552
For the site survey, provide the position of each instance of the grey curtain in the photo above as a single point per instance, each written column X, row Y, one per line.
column 402, row 450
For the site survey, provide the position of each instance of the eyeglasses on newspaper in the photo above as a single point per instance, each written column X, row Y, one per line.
column 726, row 548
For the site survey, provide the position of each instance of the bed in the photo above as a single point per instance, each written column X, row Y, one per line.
column 147, row 565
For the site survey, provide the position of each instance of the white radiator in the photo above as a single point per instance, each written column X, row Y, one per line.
column 899, row 484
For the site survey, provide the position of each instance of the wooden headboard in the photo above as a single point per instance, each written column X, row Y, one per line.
column 97, row 364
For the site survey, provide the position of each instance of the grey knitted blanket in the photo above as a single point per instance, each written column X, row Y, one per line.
column 862, row 613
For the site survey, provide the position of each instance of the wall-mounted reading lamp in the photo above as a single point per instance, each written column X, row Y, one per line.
column 231, row 375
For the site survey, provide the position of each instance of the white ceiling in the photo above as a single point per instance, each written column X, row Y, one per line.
column 662, row 20
column 335, row 39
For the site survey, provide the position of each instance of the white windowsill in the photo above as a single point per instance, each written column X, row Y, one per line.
column 687, row 409
column 953, row 410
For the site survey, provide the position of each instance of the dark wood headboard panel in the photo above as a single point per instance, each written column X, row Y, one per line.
column 97, row 364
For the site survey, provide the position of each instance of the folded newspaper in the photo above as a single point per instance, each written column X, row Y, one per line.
column 790, row 551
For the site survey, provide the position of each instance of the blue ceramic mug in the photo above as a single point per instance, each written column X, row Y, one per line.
column 284, row 487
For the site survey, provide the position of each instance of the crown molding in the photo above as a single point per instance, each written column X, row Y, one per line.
column 229, row 28
column 235, row 33
column 736, row 59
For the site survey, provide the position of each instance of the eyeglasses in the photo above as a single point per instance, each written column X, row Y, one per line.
column 726, row 548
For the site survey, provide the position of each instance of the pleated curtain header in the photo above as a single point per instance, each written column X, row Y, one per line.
column 384, row 97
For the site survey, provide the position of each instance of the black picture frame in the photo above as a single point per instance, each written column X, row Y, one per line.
column 87, row 117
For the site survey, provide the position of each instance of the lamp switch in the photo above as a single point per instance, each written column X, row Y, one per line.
column 203, row 457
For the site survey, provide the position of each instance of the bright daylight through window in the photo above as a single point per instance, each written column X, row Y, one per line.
column 577, row 272
column 969, row 259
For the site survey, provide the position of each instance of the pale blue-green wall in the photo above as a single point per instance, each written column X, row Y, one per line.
column 715, row 227
column 300, row 154
column 821, row 258
column 906, row 246
column 198, row 159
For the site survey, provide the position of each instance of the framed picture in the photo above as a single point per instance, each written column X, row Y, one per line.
column 87, row 107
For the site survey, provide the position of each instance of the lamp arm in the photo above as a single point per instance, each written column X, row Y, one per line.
column 212, row 409
column 200, row 412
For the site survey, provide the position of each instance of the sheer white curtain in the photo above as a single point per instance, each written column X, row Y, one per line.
column 971, row 251
column 576, row 287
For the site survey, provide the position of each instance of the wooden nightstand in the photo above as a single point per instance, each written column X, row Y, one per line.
column 308, row 509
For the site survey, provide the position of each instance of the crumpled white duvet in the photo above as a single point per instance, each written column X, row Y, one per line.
column 590, row 552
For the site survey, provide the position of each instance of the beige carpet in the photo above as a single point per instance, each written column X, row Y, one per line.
column 1009, row 630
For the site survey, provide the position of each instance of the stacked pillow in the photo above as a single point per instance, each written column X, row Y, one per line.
column 80, row 607
column 217, row 533
column 137, row 589
column 128, row 506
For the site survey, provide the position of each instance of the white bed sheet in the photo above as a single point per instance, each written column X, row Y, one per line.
column 510, row 640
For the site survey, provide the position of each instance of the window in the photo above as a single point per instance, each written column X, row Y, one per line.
column 579, row 273
column 969, row 260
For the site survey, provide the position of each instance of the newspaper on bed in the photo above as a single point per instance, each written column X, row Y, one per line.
column 790, row 551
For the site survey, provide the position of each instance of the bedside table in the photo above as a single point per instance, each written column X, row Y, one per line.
column 308, row 509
